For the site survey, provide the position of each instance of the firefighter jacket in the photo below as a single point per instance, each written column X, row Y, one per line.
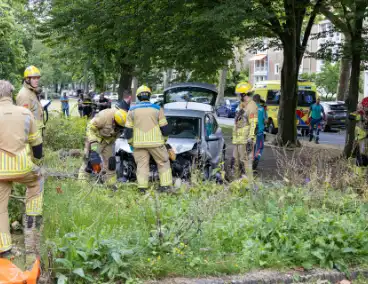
column 28, row 98
column 245, row 123
column 102, row 128
column 18, row 128
column 146, row 126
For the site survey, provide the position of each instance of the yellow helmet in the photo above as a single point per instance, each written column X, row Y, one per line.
column 143, row 89
column 120, row 117
column 32, row 71
column 243, row 88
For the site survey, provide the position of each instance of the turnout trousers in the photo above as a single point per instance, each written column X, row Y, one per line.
column 34, row 199
column 161, row 157
column 243, row 160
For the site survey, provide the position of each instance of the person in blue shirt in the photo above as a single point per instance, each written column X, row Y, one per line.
column 64, row 104
column 316, row 115
column 262, row 119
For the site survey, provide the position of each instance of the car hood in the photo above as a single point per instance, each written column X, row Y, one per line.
column 122, row 144
column 181, row 145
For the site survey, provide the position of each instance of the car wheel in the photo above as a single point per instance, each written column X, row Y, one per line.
column 327, row 128
column 207, row 172
column 218, row 114
column 272, row 129
column 228, row 113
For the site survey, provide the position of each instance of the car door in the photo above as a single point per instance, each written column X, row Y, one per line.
column 214, row 139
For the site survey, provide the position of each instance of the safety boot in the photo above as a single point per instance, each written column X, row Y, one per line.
column 32, row 238
column 310, row 137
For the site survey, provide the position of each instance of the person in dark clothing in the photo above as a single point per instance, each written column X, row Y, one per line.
column 103, row 103
column 80, row 105
column 87, row 106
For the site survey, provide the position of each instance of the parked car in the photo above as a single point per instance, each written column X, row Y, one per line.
column 202, row 100
column 336, row 115
column 155, row 98
column 228, row 108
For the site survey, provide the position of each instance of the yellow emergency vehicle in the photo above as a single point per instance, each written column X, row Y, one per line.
column 270, row 92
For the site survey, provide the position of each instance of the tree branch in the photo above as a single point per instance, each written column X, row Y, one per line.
column 275, row 25
column 308, row 29
column 336, row 21
column 347, row 19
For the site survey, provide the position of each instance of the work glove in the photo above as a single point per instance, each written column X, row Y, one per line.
column 352, row 116
column 37, row 162
column 131, row 148
column 95, row 147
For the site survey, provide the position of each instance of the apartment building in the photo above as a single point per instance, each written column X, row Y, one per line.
column 266, row 65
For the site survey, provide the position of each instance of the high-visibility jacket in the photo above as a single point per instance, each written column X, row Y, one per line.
column 147, row 121
column 102, row 127
column 245, row 123
column 18, row 128
column 28, row 98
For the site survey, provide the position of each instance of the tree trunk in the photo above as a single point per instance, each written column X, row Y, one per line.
column 134, row 88
column 287, row 134
column 352, row 100
column 343, row 85
column 125, row 81
column 222, row 84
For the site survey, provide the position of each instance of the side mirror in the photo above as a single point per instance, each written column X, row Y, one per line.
column 212, row 137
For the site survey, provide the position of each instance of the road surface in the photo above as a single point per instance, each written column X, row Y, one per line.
column 333, row 138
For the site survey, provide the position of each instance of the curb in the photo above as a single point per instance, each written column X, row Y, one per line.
column 269, row 277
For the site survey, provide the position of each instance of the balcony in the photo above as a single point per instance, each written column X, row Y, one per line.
column 260, row 71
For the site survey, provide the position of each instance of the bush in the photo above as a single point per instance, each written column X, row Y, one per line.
column 65, row 133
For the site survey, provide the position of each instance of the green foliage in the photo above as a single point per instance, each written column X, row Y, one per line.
column 66, row 133
column 233, row 78
column 16, row 207
column 208, row 230
column 14, row 40
column 328, row 78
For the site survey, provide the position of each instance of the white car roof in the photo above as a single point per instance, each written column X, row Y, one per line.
column 189, row 105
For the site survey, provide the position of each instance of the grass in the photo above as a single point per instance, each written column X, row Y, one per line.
column 92, row 235
column 205, row 230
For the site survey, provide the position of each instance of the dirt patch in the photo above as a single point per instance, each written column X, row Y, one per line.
column 269, row 277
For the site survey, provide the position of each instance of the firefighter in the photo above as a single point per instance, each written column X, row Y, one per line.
column 19, row 129
column 28, row 95
column 361, row 136
column 244, row 131
column 102, row 132
column 147, row 131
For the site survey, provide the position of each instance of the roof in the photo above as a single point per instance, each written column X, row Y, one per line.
column 206, row 86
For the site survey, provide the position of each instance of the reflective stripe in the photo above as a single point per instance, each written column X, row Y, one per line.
column 15, row 165
column 166, row 178
column 240, row 135
column 34, row 206
column 152, row 138
column 5, row 242
column 27, row 126
column 144, row 105
column 162, row 122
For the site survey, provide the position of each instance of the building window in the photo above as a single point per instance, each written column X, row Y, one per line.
column 277, row 69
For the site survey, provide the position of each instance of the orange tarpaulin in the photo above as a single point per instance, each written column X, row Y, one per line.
column 11, row 274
